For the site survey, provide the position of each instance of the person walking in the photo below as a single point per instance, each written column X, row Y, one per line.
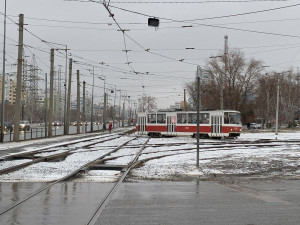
column 110, row 127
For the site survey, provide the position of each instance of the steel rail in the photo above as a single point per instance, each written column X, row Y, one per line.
column 100, row 208
column 60, row 145
column 64, row 178
column 49, row 157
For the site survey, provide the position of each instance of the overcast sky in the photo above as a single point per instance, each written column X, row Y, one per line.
column 93, row 37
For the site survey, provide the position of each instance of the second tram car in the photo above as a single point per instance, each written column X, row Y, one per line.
column 213, row 124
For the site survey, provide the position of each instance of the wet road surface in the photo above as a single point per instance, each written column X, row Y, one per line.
column 204, row 202
column 65, row 203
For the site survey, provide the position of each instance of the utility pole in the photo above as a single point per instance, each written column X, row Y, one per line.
column 92, row 110
column 104, row 112
column 277, row 106
column 83, row 109
column 114, row 108
column 3, row 78
column 184, row 100
column 65, row 85
column 78, row 104
column 51, row 94
column 123, row 116
column 225, row 72
column 19, row 80
column 69, row 99
column 198, row 113
column 46, row 104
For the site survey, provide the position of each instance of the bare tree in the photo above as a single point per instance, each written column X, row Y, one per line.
column 239, row 80
column 147, row 103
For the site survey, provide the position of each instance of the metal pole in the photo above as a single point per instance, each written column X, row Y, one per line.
column 123, row 116
column 46, row 104
column 104, row 109
column 78, row 103
column 19, row 80
column 92, row 110
column 69, row 98
column 120, row 109
column 277, row 106
column 198, row 114
column 114, row 111
column 65, row 105
column 3, row 78
column 184, row 100
column 51, row 94
column 83, row 108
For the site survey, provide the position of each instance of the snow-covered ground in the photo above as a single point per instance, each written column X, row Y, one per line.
column 175, row 159
column 222, row 160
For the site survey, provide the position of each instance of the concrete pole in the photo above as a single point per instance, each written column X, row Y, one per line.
column 51, row 94
column 78, row 103
column 104, row 112
column 184, row 100
column 123, row 116
column 83, row 109
column 92, row 110
column 114, row 108
column 46, row 104
column 69, row 98
column 120, row 109
column 19, row 80
column 277, row 106
column 221, row 77
column 3, row 78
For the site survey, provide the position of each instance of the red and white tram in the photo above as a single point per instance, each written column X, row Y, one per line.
column 216, row 123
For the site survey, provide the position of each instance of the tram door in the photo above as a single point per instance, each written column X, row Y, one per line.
column 216, row 126
column 171, row 125
column 142, row 124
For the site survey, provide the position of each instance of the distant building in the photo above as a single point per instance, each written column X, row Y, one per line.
column 10, row 89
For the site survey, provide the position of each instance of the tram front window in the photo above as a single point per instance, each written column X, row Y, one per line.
column 232, row 118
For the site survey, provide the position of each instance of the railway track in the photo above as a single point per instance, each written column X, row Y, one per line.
column 99, row 160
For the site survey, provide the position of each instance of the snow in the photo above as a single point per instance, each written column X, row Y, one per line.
column 175, row 159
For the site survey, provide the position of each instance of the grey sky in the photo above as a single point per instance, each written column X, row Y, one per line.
column 103, row 43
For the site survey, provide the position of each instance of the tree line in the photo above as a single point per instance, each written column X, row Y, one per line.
column 248, row 89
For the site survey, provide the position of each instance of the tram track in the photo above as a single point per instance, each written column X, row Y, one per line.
column 102, row 205
column 84, row 167
column 37, row 159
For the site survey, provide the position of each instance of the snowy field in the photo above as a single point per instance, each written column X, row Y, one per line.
column 253, row 155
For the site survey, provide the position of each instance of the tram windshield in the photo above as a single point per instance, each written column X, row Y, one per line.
column 232, row 118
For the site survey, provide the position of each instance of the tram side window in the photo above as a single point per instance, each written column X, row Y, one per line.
column 161, row 118
column 192, row 118
column 226, row 118
column 181, row 118
column 151, row 118
column 204, row 118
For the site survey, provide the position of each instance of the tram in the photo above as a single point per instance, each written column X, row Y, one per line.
column 212, row 124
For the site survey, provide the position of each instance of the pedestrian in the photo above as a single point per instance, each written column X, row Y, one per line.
column 248, row 126
column 110, row 127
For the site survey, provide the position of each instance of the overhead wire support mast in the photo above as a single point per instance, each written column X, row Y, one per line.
column 3, row 79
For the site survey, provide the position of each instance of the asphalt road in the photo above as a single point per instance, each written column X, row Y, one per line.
column 247, row 203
